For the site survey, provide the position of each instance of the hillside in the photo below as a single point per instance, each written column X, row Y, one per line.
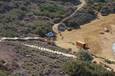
column 91, row 33
column 27, row 47
column 30, row 17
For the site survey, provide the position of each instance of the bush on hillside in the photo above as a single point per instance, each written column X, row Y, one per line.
column 84, row 55
column 51, row 10
column 81, row 68
column 3, row 73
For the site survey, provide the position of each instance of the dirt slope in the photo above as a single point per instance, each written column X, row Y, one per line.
column 99, row 43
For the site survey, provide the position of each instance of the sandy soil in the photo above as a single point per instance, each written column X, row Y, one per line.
column 100, row 44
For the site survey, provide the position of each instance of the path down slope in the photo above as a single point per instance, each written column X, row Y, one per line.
column 19, row 38
column 83, row 3
column 55, row 26
column 51, row 51
column 37, row 47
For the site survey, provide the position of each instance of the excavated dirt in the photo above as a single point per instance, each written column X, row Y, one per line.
column 99, row 41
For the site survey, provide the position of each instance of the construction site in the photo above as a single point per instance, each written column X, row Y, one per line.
column 57, row 38
column 98, row 36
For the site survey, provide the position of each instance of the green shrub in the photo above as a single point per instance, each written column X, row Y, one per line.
column 52, row 10
column 109, row 61
column 84, row 55
column 3, row 73
column 42, row 27
column 81, row 68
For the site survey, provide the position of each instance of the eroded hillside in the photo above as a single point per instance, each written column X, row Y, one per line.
column 27, row 50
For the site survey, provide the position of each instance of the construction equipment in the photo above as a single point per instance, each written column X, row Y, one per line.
column 81, row 44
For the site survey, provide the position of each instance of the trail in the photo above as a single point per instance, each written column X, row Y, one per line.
column 83, row 2
column 19, row 38
column 37, row 47
column 51, row 51
column 55, row 26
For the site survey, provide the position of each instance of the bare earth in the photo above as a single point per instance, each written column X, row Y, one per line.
column 7, row 53
column 100, row 44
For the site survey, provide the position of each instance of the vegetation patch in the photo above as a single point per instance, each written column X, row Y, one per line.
column 3, row 73
column 109, row 61
column 52, row 10
column 81, row 68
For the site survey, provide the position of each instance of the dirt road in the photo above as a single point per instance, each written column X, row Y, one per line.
column 83, row 3
column 55, row 26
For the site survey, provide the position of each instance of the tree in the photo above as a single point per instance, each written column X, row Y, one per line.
column 84, row 55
